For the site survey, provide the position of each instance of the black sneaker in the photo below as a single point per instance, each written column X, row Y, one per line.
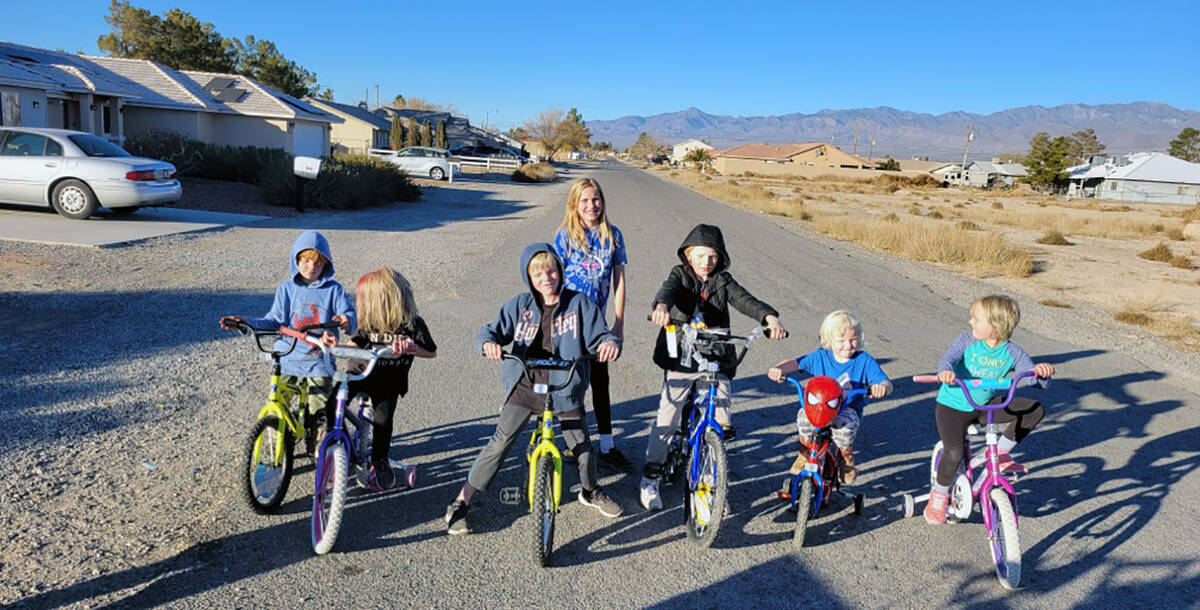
column 614, row 459
column 382, row 476
column 315, row 433
column 456, row 518
column 600, row 501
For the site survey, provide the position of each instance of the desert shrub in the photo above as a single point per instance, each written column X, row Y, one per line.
column 1160, row 253
column 967, row 225
column 1191, row 214
column 891, row 218
column 1174, row 234
column 920, row 181
column 936, row 214
column 914, row 210
column 996, row 205
column 346, row 182
column 197, row 159
column 1132, row 315
column 1053, row 238
column 1054, row 303
column 731, row 182
column 926, row 198
column 535, row 172
column 959, row 206
column 797, row 190
column 1180, row 262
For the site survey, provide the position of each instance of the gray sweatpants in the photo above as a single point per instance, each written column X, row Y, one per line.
column 676, row 397
column 508, row 429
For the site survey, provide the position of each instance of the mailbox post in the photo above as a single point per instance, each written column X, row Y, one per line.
column 305, row 169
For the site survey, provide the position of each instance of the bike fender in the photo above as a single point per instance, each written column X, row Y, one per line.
column 985, row 492
column 818, row 484
column 542, row 449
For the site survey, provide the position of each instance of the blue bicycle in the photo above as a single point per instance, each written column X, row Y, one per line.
column 698, row 446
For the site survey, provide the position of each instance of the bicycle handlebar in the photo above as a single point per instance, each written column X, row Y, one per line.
column 1006, row 383
column 549, row 364
column 244, row 329
column 848, row 395
column 337, row 351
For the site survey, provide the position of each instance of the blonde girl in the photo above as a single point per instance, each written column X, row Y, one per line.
column 593, row 255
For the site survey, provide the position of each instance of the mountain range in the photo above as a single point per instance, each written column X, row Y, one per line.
column 1132, row 127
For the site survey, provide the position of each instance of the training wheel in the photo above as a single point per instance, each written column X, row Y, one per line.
column 910, row 506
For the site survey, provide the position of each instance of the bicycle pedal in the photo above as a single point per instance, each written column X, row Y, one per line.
column 784, row 495
column 510, row 495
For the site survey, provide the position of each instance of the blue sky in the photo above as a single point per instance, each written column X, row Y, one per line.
column 505, row 62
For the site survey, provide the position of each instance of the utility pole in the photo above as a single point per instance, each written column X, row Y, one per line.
column 856, row 122
column 874, row 130
column 970, row 136
column 376, row 95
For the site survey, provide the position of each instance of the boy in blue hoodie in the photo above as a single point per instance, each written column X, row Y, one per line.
column 310, row 295
column 546, row 321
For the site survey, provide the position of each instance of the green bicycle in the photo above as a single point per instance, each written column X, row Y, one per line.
column 543, row 485
column 270, row 446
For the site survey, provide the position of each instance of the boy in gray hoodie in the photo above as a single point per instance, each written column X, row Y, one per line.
column 546, row 321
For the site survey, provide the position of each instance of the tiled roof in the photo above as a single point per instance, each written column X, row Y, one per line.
column 356, row 112
column 768, row 151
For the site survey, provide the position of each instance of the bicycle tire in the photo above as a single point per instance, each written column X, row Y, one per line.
column 706, row 505
column 543, row 510
column 329, row 498
column 1005, row 541
column 265, row 479
column 804, row 503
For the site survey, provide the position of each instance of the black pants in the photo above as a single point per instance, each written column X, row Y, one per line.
column 508, row 429
column 600, row 401
column 384, row 396
column 1025, row 415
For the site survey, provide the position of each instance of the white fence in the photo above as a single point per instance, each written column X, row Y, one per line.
column 490, row 163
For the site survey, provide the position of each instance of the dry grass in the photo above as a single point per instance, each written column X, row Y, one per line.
column 1080, row 223
column 1135, row 315
column 891, row 218
column 981, row 255
column 936, row 214
column 996, row 205
column 1174, row 234
column 1160, row 253
column 1053, row 238
column 1192, row 213
column 1180, row 262
column 1054, row 303
column 967, row 225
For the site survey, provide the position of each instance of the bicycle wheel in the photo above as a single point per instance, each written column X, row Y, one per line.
column 706, row 505
column 268, row 462
column 543, row 509
column 804, row 504
column 329, row 498
column 1004, row 540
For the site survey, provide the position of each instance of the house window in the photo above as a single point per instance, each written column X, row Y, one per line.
column 1183, row 190
column 106, row 120
column 1112, row 186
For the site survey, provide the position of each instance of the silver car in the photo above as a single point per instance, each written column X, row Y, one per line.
column 77, row 172
column 418, row 160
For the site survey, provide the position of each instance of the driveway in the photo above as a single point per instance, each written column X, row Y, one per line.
column 105, row 229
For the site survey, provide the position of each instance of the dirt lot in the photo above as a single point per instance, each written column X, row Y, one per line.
column 1099, row 267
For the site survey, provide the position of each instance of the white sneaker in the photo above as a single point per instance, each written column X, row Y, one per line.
column 649, row 494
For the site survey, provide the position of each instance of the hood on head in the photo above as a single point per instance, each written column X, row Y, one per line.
column 527, row 255
column 705, row 235
column 312, row 240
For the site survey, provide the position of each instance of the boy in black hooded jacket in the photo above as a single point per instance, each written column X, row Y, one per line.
column 699, row 289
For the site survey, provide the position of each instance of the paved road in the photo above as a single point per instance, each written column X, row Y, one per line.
column 1106, row 515
column 106, row 229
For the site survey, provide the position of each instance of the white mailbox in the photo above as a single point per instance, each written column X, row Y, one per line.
column 307, row 167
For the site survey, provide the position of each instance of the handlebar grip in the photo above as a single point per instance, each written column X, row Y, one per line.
column 297, row 334
column 925, row 378
column 320, row 326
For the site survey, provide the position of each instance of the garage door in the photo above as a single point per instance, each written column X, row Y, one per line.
column 308, row 140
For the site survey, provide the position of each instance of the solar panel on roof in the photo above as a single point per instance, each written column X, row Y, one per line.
column 230, row 95
column 219, row 82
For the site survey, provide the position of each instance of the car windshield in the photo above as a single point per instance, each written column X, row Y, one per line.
column 95, row 146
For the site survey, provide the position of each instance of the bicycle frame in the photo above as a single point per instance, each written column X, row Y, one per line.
column 818, row 454
column 543, row 443
column 696, row 436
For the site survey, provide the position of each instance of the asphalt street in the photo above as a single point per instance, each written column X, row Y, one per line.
column 1105, row 515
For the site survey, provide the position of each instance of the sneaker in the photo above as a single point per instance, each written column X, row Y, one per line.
column 729, row 432
column 456, row 518
column 600, row 501
column 799, row 464
column 315, row 433
column 935, row 508
column 382, row 476
column 649, row 494
column 614, row 459
column 847, row 473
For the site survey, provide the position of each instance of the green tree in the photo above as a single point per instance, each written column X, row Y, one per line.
column 262, row 61
column 1083, row 145
column 396, row 136
column 1186, row 145
column 519, row 133
column 888, row 164
column 573, row 134
column 1047, row 161
column 326, row 95
column 698, row 157
column 439, row 139
column 544, row 129
column 646, row 146
column 410, row 133
column 177, row 39
column 426, row 134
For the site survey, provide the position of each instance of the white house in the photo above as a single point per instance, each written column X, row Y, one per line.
column 121, row 98
column 681, row 150
column 982, row 174
column 1148, row 177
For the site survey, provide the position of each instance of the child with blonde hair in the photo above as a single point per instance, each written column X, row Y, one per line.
column 593, row 254
column 387, row 318
column 983, row 352
column 840, row 357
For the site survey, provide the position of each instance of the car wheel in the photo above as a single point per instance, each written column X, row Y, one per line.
column 74, row 199
column 123, row 211
column 437, row 173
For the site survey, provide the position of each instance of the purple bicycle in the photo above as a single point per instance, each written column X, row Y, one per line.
column 993, row 492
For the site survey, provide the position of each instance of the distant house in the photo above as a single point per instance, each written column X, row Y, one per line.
column 777, row 159
column 1148, row 177
column 982, row 174
column 949, row 174
column 680, row 151
column 122, row 98
column 459, row 131
column 360, row 129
